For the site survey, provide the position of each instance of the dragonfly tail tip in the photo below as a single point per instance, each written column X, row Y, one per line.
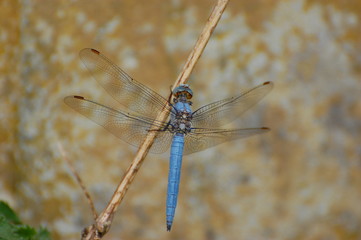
column 169, row 226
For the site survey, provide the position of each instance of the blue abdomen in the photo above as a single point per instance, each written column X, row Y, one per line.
column 175, row 166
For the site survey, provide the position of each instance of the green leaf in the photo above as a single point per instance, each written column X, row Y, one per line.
column 43, row 234
column 7, row 230
column 25, row 232
column 12, row 229
column 8, row 213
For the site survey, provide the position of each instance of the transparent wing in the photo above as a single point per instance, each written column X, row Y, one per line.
column 201, row 139
column 217, row 114
column 127, row 91
column 130, row 128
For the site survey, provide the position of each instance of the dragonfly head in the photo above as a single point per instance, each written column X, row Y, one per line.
column 183, row 89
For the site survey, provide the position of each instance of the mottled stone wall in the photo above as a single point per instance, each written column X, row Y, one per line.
column 302, row 180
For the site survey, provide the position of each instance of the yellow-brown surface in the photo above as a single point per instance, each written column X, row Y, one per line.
column 300, row 181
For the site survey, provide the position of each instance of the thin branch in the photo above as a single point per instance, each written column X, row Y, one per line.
column 103, row 222
column 201, row 42
column 78, row 179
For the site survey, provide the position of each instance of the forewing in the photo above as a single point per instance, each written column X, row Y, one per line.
column 201, row 139
column 217, row 114
column 130, row 128
column 127, row 91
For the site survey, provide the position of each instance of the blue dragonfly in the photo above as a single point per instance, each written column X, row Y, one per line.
column 184, row 131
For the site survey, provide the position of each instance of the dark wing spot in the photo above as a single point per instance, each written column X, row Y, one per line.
column 79, row 97
column 95, row 51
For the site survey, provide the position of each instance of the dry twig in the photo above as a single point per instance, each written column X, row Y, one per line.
column 78, row 179
column 104, row 220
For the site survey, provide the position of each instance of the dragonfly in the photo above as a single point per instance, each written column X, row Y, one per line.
column 184, row 131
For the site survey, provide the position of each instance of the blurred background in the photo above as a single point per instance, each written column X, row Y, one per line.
column 302, row 180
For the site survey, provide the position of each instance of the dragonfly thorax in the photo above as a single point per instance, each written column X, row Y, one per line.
column 182, row 122
column 182, row 117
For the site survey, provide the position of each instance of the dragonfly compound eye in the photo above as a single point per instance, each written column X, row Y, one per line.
column 183, row 89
